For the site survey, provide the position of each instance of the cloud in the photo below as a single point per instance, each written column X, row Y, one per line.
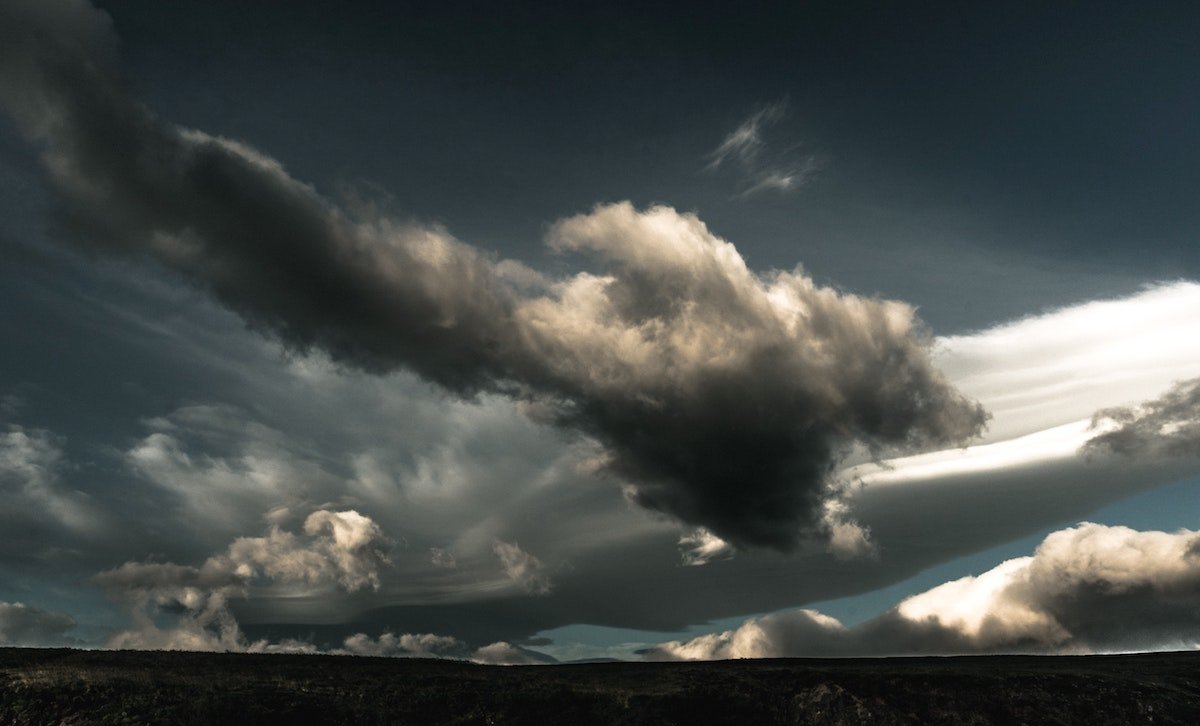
column 502, row 653
column 344, row 549
column 459, row 474
column 429, row 645
column 440, row 557
column 699, row 547
column 1065, row 365
column 745, row 148
column 1090, row 588
column 724, row 396
column 1165, row 426
column 523, row 568
column 31, row 463
column 23, row 625
column 406, row 645
column 745, row 143
column 221, row 468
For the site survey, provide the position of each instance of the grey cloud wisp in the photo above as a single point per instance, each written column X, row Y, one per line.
column 724, row 397
column 1168, row 425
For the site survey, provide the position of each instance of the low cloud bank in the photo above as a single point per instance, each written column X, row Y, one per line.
column 180, row 607
column 1087, row 589
column 723, row 396
column 22, row 624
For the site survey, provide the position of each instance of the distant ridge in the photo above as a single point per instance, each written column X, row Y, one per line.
column 74, row 686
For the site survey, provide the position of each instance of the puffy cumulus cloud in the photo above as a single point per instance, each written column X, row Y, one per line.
column 353, row 544
column 405, row 645
column 1168, row 425
column 342, row 549
column 430, row 645
column 726, row 397
column 1089, row 588
column 523, row 568
column 24, row 625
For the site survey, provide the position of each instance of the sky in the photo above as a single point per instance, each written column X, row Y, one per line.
column 647, row 331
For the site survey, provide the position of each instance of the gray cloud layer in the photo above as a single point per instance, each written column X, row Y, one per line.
column 1090, row 588
column 725, row 397
column 21, row 624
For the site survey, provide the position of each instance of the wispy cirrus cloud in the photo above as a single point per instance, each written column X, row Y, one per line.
column 762, row 168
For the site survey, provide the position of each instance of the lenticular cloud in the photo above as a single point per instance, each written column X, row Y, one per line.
column 724, row 397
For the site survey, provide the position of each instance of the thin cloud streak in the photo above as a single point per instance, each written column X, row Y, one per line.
column 746, row 149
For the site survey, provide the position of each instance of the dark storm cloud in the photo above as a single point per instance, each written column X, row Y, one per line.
column 24, row 625
column 1169, row 424
column 1090, row 588
column 725, row 397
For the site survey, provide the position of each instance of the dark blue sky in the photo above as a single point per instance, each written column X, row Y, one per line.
column 956, row 138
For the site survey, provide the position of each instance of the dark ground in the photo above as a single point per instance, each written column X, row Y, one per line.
column 71, row 686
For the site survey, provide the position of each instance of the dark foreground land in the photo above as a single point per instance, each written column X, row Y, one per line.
column 70, row 686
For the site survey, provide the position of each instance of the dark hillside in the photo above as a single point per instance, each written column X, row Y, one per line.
column 69, row 686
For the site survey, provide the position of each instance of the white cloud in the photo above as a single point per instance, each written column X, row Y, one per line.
column 523, row 568
column 1062, row 366
column 31, row 465
column 339, row 548
column 405, row 645
column 746, row 147
column 699, row 547
column 224, row 467
column 745, row 142
column 1089, row 588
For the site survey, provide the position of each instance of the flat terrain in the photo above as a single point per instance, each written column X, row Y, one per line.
column 71, row 686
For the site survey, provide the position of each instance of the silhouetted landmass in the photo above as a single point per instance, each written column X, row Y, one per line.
column 71, row 686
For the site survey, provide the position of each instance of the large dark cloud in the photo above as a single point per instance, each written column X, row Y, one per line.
column 725, row 397
column 1090, row 588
